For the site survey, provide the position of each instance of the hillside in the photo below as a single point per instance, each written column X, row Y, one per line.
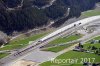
column 19, row 15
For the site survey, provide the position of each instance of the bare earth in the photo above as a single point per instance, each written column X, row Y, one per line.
column 24, row 63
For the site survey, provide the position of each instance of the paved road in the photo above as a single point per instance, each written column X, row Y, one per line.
column 13, row 58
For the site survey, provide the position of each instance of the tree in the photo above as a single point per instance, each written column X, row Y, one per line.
column 96, row 52
column 80, row 45
column 93, row 48
column 3, row 38
column 29, row 16
column 99, row 41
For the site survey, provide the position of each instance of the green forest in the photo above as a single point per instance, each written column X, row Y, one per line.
column 30, row 15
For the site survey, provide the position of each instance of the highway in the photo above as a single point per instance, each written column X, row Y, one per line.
column 77, row 23
column 43, row 41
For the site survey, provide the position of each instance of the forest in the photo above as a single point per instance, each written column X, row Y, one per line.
column 20, row 15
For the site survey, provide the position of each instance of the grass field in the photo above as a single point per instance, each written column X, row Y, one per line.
column 57, row 49
column 62, row 40
column 3, row 55
column 89, row 43
column 73, row 55
column 91, row 13
column 17, row 44
column 97, row 38
column 65, row 39
column 78, row 55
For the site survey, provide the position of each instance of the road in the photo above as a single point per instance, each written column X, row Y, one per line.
column 31, row 48
column 12, row 58
column 48, row 5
